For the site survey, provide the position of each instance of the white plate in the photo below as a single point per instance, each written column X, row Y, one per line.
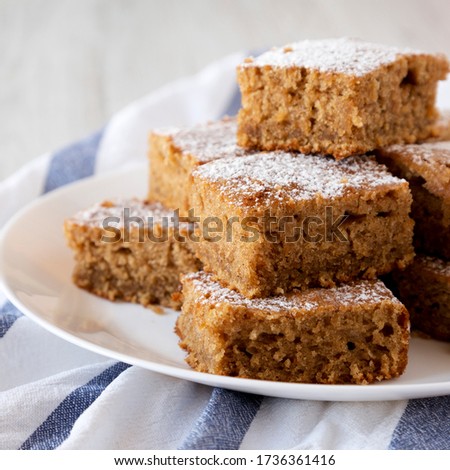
column 35, row 270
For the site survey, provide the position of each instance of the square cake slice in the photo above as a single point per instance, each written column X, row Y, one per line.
column 271, row 222
column 427, row 169
column 130, row 250
column 337, row 96
column 424, row 288
column 352, row 334
column 175, row 152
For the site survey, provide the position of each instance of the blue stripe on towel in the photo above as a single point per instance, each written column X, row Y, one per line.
column 73, row 162
column 8, row 315
column 57, row 427
column 70, row 164
column 224, row 422
column 425, row 424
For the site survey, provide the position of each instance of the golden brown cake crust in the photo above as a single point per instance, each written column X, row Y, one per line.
column 340, row 97
column 424, row 287
column 302, row 196
column 120, row 261
column 352, row 334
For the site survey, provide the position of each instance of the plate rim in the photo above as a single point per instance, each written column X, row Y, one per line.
column 344, row 392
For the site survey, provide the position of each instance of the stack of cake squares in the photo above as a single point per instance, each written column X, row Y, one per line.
column 281, row 221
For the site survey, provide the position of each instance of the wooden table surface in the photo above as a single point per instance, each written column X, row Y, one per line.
column 67, row 65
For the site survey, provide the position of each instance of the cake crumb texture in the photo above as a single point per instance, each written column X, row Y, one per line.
column 277, row 211
column 351, row 334
column 340, row 97
column 424, row 287
column 426, row 167
column 142, row 264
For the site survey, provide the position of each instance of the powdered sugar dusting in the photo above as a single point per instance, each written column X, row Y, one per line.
column 434, row 264
column 431, row 161
column 431, row 152
column 280, row 176
column 211, row 292
column 205, row 142
column 344, row 55
column 114, row 211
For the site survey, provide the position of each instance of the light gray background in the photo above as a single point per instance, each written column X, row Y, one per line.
column 67, row 65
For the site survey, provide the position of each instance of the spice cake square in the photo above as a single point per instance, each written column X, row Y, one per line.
column 427, row 169
column 356, row 333
column 337, row 96
column 271, row 222
column 424, row 288
column 175, row 152
column 130, row 250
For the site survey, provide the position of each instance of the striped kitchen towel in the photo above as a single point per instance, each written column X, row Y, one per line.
column 56, row 395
